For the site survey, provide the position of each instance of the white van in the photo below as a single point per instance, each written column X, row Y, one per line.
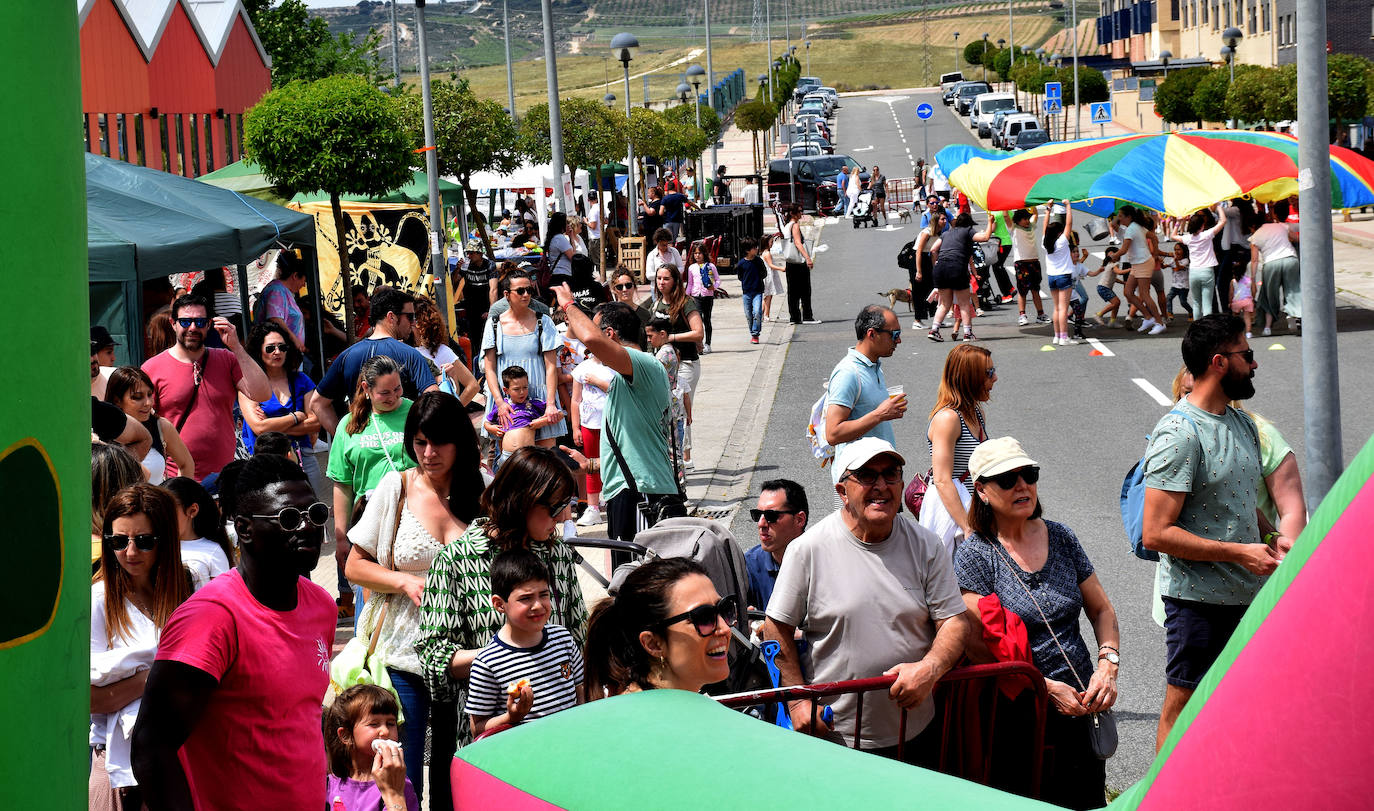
column 987, row 105
column 948, row 80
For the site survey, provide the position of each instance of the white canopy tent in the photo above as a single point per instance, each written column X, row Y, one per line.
column 528, row 176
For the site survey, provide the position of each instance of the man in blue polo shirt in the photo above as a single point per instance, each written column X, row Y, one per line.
column 857, row 403
column 780, row 516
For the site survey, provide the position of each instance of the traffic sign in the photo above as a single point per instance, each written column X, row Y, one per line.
column 924, row 111
column 1053, row 106
column 1054, row 90
column 1101, row 112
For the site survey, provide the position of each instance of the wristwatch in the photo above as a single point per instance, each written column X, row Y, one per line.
column 1110, row 657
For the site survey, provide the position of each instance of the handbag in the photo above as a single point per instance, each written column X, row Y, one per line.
column 791, row 254
column 360, row 663
column 1102, row 735
column 915, row 493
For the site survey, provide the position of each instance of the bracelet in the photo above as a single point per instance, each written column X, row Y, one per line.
column 296, row 418
column 565, row 307
column 1110, row 648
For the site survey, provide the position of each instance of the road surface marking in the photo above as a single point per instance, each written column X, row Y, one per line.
column 1101, row 347
column 1149, row 388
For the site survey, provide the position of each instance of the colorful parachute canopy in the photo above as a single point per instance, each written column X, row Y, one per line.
column 670, row 749
column 1176, row 173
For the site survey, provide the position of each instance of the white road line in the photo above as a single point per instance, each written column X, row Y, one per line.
column 1149, row 388
column 1101, row 347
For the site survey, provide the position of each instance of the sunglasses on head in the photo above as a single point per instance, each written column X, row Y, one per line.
column 771, row 516
column 272, row 349
column 705, row 617
column 118, row 543
column 1007, row 480
column 293, row 518
column 198, row 323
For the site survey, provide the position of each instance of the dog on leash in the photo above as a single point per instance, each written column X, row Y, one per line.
column 904, row 215
column 897, row 294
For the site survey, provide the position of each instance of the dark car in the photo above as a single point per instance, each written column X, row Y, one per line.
column 1030, row 139
column 966, row 92
column 812, row 177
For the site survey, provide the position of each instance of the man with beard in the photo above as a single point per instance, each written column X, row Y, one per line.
column 231, row 711
column 197, row 386
column 1202, row 477
column 857, row 402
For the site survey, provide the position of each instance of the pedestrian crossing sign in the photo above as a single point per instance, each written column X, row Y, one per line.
column 1101, row 112
column 1053, row 106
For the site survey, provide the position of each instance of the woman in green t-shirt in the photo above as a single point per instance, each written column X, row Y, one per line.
column 370, row 443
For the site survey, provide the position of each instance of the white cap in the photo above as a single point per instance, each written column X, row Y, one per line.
column 859, row 452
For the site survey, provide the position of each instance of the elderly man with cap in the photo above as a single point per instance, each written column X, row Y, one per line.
column 873, row 595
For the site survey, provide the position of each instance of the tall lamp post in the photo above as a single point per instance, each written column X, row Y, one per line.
column 694, row 74
column 1232, row 37
column 1001, row 43
column 510, row 71
column 623, row 47
column 808, row 57
column 1011, row 33
column 555, row 114
column 956, row 52
column 438, row 266
column 710, row 76
column 1164, row 57
column 985, row 56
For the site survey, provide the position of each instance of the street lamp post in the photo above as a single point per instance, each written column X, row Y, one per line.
column 1232, row 37
column 956, row 52
column 1164, row 57
column 808, row 57
column 438, row 265
column 555, row 114
column 1001, row 43
column 1228, row 53
column 623, row 47
column 694, row 74
column 510, row 71
column 985, row 56
column 1077, row 110
column 710, row 75
column 768, row 34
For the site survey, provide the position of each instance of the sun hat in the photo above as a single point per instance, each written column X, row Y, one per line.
column 474, row 245
column 997, row 456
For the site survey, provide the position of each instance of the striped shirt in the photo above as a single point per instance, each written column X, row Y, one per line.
column 554, row 668
column 964, row 446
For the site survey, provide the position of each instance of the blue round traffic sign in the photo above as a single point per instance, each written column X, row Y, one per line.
column 924, row 111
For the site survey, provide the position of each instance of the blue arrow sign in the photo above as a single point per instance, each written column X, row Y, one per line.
column 1101, row 112
column 924, row 111
column 1054, row 90
column 1053, row 105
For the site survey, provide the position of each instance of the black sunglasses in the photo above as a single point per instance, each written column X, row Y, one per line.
column 272, row 349
column 868, row 478
column 522, row 291
column 293, row 518
column 117, row 543
column 198, row 323
column 705, row 617
column 771, row 516
column 1248, row 354
column 625, row 287
column 1007, row 480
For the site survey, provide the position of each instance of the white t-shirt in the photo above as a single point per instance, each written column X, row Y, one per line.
column 750, row 196
column 1272, row 241
column 592, row 412
column 1059, row 262
column 204, row 559
column 1200, row 251
column 443, row 356
column 1140, row 246
column 1022, row 244
column 593, row 220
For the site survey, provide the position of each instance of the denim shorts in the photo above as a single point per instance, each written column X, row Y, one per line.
column 1061, row 282
column 1105, row 293
column 1194, row 635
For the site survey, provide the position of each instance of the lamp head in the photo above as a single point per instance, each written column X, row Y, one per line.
column 1227, row 52
column 1001, row 42
column 1232, row 37
column 695, row 72
column 609, row 98
column 624, row 46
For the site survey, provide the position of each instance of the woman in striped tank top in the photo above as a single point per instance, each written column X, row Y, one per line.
column 956, row 429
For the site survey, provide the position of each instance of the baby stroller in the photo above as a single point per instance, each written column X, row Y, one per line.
column 863, row 210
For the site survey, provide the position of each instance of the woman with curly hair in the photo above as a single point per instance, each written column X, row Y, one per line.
column 428, row 337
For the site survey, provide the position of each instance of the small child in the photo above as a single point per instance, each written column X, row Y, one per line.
column 1078, row 295
column 527, row 415
column 591, row 382
column 1178, row 286
column 1243, row 299
column 751, row 274
column 702, row 281
column 366, row 769
column 680, row 410
column 1106, row 291
column 529, row 669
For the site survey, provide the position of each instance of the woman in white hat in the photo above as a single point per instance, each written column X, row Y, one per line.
column 1039, row 571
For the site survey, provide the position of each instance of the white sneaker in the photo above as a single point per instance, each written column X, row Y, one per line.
column 917, row 324
column 1075, row 340
column 1158, row 328
column 1146, row 325
column 705, row 349
column 1267, row 332
column 591, row 517
column 1022, row 320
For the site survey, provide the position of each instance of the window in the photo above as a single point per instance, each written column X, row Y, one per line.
column 1254, row 21
column 238, row 134
column 166, row 143
column 121, row 136
column 181, row 157
column 229, row 139
column 140, row 154
column 209, row 143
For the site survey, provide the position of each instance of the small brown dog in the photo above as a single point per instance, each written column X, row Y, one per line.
column 904, row 215
column 897, row 294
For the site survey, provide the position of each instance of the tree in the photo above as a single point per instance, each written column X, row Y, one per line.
column 1245, row 96
column 1281, row 96
column 1346, row 87
column 301, row 46
column 973, row 52
column 1209, row 98
column 1092, row 85
column 754, row 116
column 1174, row 97
column 470, row 135
column 338, row 135
column 648, row 134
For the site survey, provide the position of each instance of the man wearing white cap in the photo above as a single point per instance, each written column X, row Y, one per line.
column 874, row 595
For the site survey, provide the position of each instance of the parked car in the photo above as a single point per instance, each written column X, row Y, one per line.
column 966, row 92
column 832, row 93
column 823, row 99
column 947, row 83
column 1012, row 127
column 814, row 104
column 805, row 85
column 803, row 175
column 815, row 140
column 997, row 119
column 1030, row 139
column 804, row 150
column 814, row 124
column 984, row 107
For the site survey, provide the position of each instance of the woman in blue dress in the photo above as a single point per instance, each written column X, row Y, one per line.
column 287, row 411
column 522, row 337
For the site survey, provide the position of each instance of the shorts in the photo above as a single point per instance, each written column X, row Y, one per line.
column 1242, row 305
column 1194, row 635
column 951, row 275
column 1027, row 276
column 1061, row 282
column 1105, row 293
column 1144, row 270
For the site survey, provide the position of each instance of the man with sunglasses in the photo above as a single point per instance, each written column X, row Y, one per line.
column 1203, row 472
column 780, row 517
column 857, row 403
column 197, row 386
column 393, row 313
column 231, row 712
column 873, row 595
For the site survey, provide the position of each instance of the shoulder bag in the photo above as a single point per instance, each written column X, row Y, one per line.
column 197, row 377
column 650, row 508
column 1102, row 732
column 791, row 254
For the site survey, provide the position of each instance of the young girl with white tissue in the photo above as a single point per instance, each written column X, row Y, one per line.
column 367, row 772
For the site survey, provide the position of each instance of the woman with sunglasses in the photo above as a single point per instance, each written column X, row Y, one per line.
column 666, row 629
column 686, row 333
column 522, row 337
column 623, row 287
column 1039, row 571
column 955, row 431
column 139, row 583
column 130, row 388
column 522, row 508
column 411, row 517
column 287, row 410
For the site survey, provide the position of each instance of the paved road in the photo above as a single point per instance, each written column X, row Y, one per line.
column 1082, row 417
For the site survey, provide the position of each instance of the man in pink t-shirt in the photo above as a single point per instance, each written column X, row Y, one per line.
column 196, row 386
column 231, row 711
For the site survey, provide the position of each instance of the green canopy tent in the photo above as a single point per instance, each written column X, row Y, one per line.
column 142, row 224
column 246, row 178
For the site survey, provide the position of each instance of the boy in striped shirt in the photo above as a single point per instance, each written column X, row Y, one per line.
column 529, row 669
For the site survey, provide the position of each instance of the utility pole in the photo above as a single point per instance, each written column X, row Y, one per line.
column 395, row 48
column 710, row 82
column 1011, row 37
column 510, row 72
column 555, row 114
column 1320, row 371
column 1077, row 110
column 438, row 266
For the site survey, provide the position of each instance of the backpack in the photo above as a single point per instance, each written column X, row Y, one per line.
column 1133, row 497
column 815, row 432
column 906, row 257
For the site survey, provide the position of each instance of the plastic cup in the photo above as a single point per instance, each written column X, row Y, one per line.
column 896, row 391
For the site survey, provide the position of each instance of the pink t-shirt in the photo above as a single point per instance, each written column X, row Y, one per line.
column 258, row 744
column 209, row 431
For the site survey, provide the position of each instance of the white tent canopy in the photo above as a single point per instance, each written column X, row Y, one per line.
column 528, row 176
